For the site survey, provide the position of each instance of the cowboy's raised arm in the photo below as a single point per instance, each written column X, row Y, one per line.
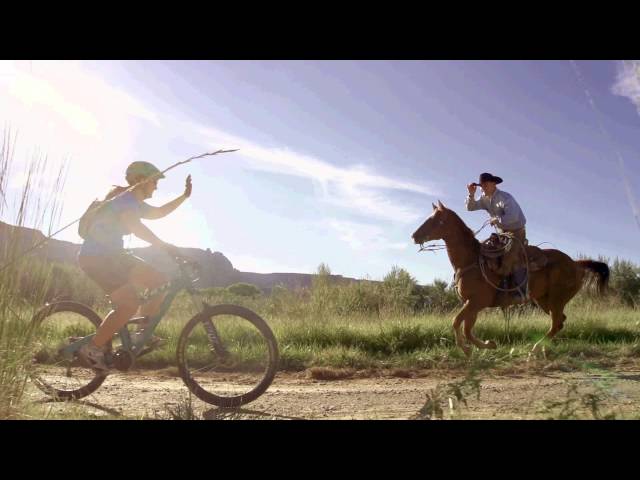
column 471, row 202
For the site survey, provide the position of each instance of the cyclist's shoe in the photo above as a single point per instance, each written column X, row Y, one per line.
column 93, row 357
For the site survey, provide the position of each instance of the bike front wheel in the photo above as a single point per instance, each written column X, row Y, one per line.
column 227, row 355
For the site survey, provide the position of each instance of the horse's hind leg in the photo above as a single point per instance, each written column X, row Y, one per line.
column 557, row 322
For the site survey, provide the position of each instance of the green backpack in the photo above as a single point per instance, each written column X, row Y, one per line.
column 90, row 215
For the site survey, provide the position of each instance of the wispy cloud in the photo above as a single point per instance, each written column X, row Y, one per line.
column 628, row 81
column 355, row 188
column 628, row 85
column 294, row 163
column 370, row 203
column 361, row 236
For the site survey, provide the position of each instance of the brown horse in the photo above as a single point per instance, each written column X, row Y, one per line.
column 550, row 287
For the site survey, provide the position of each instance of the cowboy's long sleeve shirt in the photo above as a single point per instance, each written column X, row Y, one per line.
column 500, row 205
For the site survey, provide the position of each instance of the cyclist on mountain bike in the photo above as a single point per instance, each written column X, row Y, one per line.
column 119, row 273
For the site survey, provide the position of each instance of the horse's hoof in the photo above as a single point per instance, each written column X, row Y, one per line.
column 490, row 344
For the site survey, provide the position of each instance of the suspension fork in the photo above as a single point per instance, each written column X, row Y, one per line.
column 217, row 347
column 215, row 343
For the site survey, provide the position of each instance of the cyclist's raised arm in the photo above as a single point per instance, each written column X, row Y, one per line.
column 152, row 213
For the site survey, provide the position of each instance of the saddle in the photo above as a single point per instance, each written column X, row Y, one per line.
column 494, row 248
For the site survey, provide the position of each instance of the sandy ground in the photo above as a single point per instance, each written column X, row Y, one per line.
column 298, row 396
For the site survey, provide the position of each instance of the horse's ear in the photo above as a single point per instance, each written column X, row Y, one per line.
column 441, row 205
column 434, row 206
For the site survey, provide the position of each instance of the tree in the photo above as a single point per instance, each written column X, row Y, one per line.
column 244, row 289
column 401, row 290
column 625, row 281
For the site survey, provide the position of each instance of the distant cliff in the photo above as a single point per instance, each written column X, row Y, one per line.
column 217, row 270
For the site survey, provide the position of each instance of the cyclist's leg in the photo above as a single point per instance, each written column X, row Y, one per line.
column 123, row 276
column 126, row 301
column 111, row 272
column 144, row 276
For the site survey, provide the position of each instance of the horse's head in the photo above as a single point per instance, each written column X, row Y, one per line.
column 436, row 227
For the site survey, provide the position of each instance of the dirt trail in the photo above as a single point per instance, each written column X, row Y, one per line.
column 295, row 396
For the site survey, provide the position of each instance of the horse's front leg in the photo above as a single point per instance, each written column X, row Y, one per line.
column 469, row 322
column 457, row 330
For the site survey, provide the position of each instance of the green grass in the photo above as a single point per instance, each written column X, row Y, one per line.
column 413, row 342
column 17, row 270
column 309, row 336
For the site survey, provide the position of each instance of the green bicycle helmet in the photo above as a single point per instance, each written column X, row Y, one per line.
column 142, row 169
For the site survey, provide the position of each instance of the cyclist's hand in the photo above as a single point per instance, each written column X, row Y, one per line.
column 187, row 189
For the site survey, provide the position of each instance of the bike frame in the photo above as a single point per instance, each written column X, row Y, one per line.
column 136, row 347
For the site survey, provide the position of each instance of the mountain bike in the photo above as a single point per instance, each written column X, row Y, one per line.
column 226, row 354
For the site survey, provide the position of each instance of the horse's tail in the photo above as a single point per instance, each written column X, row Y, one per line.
column 597, row 274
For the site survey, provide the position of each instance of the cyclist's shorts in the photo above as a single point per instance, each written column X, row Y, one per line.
column 111, row 271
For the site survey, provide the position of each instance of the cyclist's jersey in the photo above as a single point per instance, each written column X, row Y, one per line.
column 105, row 236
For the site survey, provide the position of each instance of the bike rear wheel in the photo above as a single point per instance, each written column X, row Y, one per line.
column 55, row 326
column 227, row 355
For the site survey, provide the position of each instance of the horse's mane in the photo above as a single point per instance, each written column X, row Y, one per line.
column 467, row 234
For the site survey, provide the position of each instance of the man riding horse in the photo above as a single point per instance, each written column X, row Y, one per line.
column 552, row 283
column 507, row 217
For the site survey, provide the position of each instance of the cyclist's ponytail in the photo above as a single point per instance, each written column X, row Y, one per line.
column 116, row 190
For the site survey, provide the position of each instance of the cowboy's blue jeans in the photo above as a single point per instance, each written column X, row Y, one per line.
column 519, row 276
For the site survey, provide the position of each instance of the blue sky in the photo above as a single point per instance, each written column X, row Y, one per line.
column 340, row 160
